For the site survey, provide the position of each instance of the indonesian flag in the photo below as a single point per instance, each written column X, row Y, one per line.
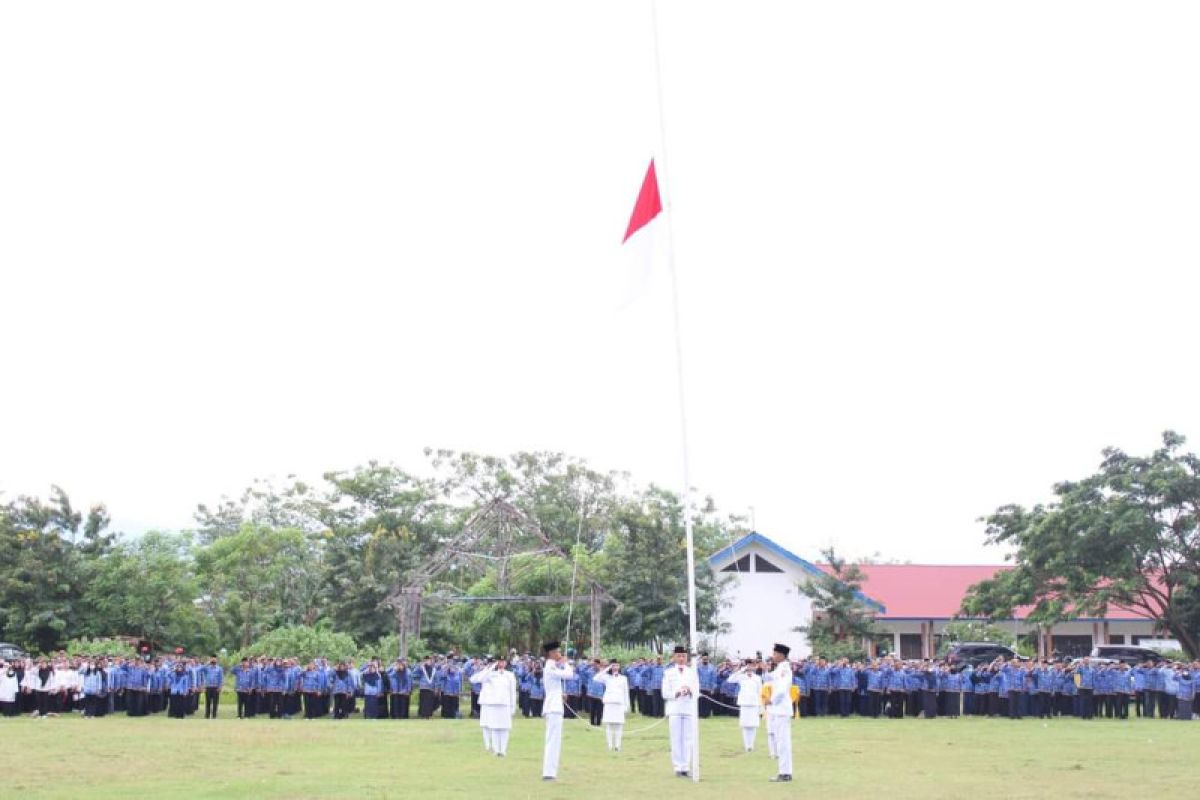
column 639, row 241
column 648, row 205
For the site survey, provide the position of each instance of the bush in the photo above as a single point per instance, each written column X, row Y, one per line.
column 303, row 643
column 99, row 647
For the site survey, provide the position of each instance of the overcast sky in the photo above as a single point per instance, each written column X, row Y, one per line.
column 933, row 256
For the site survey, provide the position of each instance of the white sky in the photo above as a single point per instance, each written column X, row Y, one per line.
column 933, row 255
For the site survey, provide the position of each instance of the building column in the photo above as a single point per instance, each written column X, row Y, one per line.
column 1049, row 641
column 1106, row 634
column 896, row 644
column 1096, row 634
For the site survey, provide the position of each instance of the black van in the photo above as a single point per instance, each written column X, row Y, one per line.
column 976, row 653
column 1129, row 654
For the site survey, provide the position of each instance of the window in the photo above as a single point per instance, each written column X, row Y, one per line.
column 741, row 565
column 762, row 565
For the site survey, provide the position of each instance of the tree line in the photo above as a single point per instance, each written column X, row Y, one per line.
column 326, row 555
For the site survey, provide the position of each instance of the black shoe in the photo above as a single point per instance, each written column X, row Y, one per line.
column 547, row 778
column 781, row 779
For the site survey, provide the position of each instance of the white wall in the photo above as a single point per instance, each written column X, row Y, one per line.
column 762, row 609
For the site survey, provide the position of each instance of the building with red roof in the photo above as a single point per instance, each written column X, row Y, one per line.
column 764, row 602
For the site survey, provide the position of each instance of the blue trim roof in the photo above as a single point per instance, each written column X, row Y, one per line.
column 754, row 537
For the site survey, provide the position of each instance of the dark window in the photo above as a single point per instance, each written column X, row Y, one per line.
column 910, row 646
column 765, row 566
column 741, row 565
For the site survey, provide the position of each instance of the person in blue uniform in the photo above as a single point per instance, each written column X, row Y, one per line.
column 342, row 688
column 94, row 689
column 450, row 686
column 135, row 689
column 214, row 679
column 312, row 687
column 399, row 689
column 653, row 687
column 373, row 690
column 427, row 675
column 244, row 684
column 595, row 693
column 537, row 692
column 180, row 691
column 708, row 686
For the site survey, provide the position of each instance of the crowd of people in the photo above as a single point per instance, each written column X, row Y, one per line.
column 887, row 687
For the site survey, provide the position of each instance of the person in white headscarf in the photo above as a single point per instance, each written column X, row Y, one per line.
column 616, row 703
column 497, row 702
column 749, row 701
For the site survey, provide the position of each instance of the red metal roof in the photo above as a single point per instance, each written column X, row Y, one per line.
column 934, row 591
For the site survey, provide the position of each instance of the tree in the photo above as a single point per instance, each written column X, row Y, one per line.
column 147, row 588
column 1126, row 536
column 644, row 565
column 48, row 551
column 841, row 619
column 257, row 579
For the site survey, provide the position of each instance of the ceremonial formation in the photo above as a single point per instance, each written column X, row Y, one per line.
column 554, row 687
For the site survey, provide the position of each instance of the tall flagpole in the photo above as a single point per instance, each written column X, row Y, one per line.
column 685, row 498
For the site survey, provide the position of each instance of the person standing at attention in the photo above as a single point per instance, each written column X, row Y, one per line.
column 556, row 671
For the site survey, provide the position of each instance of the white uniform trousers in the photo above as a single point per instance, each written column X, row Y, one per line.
column 681, row 741
column 748, row 719
column 781, row 727
column 553, row 746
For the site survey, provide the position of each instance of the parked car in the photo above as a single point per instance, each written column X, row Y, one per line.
column 1126, row 653
column 11, row 651
column 976, row 653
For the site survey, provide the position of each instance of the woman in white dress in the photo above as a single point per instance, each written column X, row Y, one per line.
column 749, row 702
column 616, row 703
column 497, row 701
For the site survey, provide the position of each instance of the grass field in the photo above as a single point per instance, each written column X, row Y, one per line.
column 965, row 758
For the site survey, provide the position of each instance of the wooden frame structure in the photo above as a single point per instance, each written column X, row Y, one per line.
column 492, row 532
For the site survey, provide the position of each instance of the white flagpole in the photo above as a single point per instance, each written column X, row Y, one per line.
column 685, row 497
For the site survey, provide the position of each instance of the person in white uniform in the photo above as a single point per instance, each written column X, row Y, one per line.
column 749, row 701
column 680, row 688
column 615, row 703
column 554, row 673
column 497, row 702
column 779, row 712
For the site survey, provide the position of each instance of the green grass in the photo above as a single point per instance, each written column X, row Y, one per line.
column 195, row 758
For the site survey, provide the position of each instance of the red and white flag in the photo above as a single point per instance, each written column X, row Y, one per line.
column 639, row 242
column 648, row 205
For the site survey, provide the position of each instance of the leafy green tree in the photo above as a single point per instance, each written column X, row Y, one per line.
column 48, row 551
column 644, row 565
column 257, row 579
column 841, row 619
column 1127, row 536
column 147, row 588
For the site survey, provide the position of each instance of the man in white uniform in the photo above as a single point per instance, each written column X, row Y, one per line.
column 680, row 688
column 779, row 712
column 554, row 673
column 497, row 702
column 749, row 701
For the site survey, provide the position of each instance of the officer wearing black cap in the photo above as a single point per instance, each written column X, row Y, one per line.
column 779, row 711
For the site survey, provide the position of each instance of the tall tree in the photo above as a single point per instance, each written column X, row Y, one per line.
column 147, row 588
column 1127, row 536
column 644, row 565
column 841, row 619
column 257, row 579
column 48, row 552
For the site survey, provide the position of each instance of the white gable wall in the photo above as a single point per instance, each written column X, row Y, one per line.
column 762, row 608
